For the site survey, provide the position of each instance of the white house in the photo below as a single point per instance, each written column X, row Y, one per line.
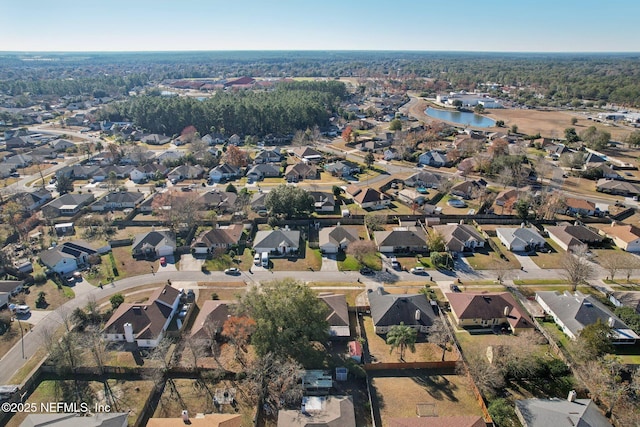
column 68, row 257
column 146, row 323
column 520, row 239
column 432, row 158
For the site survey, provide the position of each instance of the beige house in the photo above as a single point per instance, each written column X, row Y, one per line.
column 625, row 236
column 488, row 310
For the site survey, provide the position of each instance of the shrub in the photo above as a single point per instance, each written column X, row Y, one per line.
column 39, row 278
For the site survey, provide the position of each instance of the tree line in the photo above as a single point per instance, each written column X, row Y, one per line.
column 291, row 106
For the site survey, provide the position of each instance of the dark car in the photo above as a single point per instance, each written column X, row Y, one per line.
column 455, row 288
column 366, row 271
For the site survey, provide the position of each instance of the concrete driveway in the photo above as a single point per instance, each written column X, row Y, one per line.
column 189, row 263
column 35, row 317
column 169, row 266
column 329, row 263
column 526, row 262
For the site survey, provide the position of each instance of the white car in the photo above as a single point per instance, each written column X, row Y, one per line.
column 456, row 203
column 418, row 270
column 232, row 271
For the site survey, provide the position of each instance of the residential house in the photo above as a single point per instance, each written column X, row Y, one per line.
column 568, row 236
column 155, row 139
column 78, row 171
column 280, row 242
column 67, row 205
column 142, row 173
column 401, row 240
column 200, row 420
column 17, row 142
column 569, row 412
column 387, row 310
column 622, row 188
column 214, row 138
column 300, row 171
column 307, row 154
column 572, row 312
column 338, row 314
column 19, row 161
column 6, row 170
column 625, row 236
column 593, row 160
column 11, row 287
column 67, row 257
column 61, row 144
column 373, row 145
column 423, row 179
column 118, row 200
column 626, row 299
column 33, row 200
column 453, row 421
column 153, row 244
column 368, row 198
column 488, row 310
column 220, row 201
column 258, row 202
column 235, row 140
column 185, row 172
column 468, row 189
column 521, row 239
column 170, row 155
column 146, row 206
column 460, row 237
column 342, row 168
column 260, row 171
column 222, row 237
column 120, row 172
column 556, row 150
column 268, row 156
column 320, row 411
column 390, row 154
column 580, row 207
column 411, row 197
column 143, row 323
column 334, row 239
column 507, row 197
column 224, row 172
column 211, row 318
column 100, row 419
column 323, row 201
column 433, row 158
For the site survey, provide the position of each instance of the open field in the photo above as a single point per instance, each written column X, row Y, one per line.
column 399, row 395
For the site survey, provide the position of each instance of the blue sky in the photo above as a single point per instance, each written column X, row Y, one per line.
column 462, row 25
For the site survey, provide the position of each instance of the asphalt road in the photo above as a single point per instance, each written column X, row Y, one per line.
column 13, row 360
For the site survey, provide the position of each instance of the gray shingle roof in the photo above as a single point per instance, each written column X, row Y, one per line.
column 560, row 413
column 391, row 309
column 277, row 238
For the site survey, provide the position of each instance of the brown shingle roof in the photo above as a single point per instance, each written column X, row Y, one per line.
column 488, row 306
column 460, row 421
column 212, row 313
column 624, row 232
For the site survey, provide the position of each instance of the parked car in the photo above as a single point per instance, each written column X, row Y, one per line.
column 395, row 264
column 454, row 288
column 256, row 259
column 233, row 271
column 456, row 203
column 418, row 270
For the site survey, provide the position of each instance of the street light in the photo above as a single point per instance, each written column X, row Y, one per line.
column 21, row 335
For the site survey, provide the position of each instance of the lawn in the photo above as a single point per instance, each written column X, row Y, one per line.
column 196, row 396
column 349, row 263
column 530, row 290
column 446, row 395
column 126, row 265
column 53, row 296
column 122, row 396
column 486, row 260
column 425, row 352
column 549, row 260
column 310, row 259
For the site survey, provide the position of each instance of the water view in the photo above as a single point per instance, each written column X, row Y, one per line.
column 461, row 117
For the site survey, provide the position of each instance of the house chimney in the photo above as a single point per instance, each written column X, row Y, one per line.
column 185, row 416
column 128, row 332
column 506, row 311
column 613, row 224
column 417, row 315
column 611, row 322
column 572, row 396
column 522, row 225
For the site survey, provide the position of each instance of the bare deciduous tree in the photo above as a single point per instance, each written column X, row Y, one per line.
column 575, row 267
column 275, row 382
column 439, row 335
column 360, row 249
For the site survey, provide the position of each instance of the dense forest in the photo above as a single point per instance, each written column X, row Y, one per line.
column 287, row 108
column 532, row 79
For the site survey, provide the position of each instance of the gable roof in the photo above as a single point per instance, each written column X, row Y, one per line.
column 67, row 250
column 408, row 236
column 521, row 236
column 560, row 413
column 337, row 235
column 391, row 309
column 625, row 232
column 573, row 235
column 219, row 199
column 425, row 178
column 574, row 203
column 613, row 185
column 329, row 411
column 306, row 153
column 212, row 314
column 70, row 199
column 224, row 235
column 488, row 306
column 369, row 195
column 322, row 198
column 276, row 238
column 147, row 319
column 153, row 239
column 577, row 311
column 455, row 235
column 338, row 314
column 206, row 420
column 301, row 169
